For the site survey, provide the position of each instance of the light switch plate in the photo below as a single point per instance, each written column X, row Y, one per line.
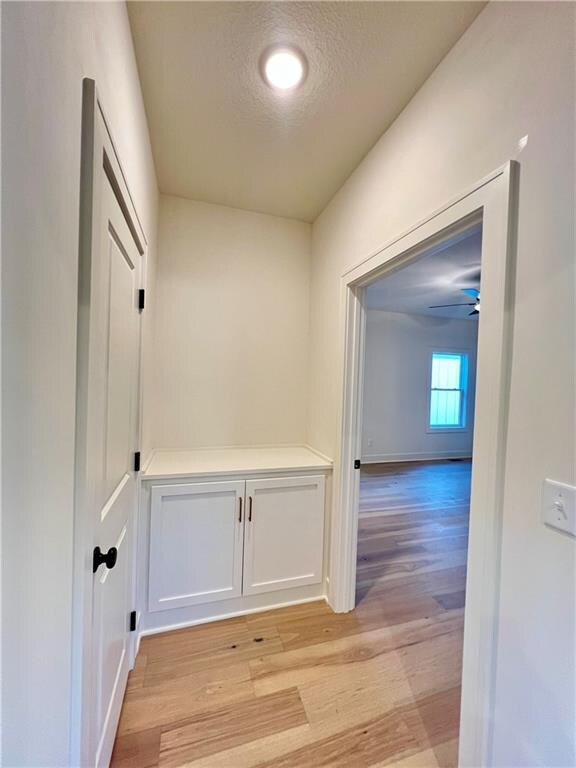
column 559, row 506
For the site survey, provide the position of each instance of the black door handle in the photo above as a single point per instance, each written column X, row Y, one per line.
column 108, row 558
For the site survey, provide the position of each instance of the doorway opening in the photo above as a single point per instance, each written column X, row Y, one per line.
column 490, row 203
column 419, row 383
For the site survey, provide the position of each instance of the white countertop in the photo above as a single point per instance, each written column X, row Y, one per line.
column 227, row 461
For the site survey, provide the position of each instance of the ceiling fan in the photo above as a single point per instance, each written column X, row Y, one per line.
column 474, row 292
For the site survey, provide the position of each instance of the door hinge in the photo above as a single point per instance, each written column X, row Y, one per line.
column 357, row 464
column 132, row 621
column 137, row 461
column 141, row 299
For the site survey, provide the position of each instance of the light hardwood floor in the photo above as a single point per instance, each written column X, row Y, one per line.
column 305, row 687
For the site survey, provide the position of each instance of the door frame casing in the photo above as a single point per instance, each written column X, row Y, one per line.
column 492, row 201
column 99, row 162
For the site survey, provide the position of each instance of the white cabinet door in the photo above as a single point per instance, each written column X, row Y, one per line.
column 284, row 537
column 196, row 537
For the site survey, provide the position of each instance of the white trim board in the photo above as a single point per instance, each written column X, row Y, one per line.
column 390, row 458
column 491, row 201
column 210, row 618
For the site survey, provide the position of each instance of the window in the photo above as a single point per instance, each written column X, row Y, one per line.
column 448, row 383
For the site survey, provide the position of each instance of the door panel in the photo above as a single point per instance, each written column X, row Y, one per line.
column 113, row 396
column 196, row 538
column 120, row 363
column 284, row 537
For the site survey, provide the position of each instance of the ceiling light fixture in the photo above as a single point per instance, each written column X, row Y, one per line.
column 283, row 68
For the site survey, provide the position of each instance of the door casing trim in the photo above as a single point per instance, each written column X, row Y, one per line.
column 492, row 201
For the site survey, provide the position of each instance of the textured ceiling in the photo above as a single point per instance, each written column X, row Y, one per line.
column 220, row 135
column 435, row 278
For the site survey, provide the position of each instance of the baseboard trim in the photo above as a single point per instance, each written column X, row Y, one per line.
column 388, row 458
column 230, row 615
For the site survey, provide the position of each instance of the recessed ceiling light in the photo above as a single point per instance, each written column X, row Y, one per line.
column 283, row 68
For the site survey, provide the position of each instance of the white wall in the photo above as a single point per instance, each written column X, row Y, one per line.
column 47, row 48
column 511, row 75
column 231, row 347
column 396, row 400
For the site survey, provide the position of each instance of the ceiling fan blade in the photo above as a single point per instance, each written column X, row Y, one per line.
column 465, row 304
column 471, row 292
column 474, row 312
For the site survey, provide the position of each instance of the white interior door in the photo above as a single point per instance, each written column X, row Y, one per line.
column 113, row 398
column 284, row 538
column 196, row 540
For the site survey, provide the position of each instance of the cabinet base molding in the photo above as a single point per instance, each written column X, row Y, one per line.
column 204, row 614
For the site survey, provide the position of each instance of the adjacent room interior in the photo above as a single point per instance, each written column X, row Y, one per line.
column 287, row 384
column 417, row 430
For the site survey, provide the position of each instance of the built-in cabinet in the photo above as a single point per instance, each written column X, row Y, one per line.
column 235, row 539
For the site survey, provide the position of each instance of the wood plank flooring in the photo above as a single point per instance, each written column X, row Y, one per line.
column 304, row 687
